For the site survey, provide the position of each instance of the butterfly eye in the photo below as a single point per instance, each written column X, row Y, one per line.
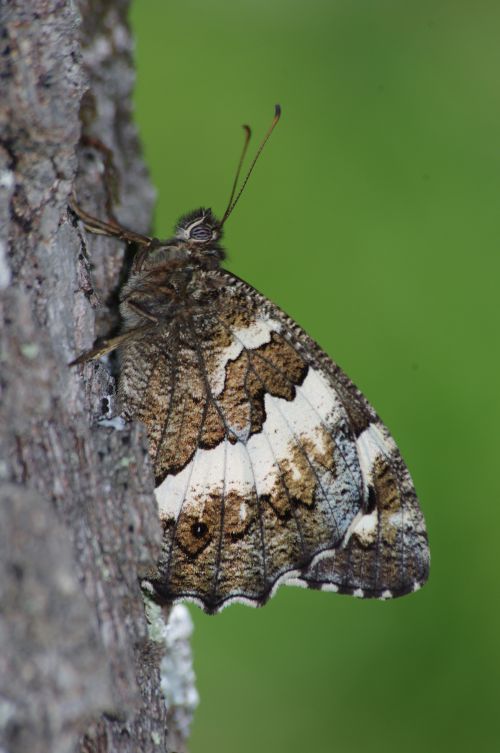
column 200, row 233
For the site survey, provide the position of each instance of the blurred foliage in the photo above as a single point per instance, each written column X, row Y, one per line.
column 372, row 218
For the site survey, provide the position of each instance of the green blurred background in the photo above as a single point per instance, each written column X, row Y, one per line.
column 372, row 218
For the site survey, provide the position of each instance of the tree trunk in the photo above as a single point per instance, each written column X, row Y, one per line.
column 79, row 669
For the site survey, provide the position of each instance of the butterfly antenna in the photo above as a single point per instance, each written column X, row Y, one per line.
column 231, row 205
column 248, row 134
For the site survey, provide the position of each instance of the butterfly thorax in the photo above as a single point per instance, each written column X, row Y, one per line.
column 174, row 278
column 166, row 291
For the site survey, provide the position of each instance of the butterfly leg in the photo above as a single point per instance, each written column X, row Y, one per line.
column 115, row 230
column 139, row 309
column 112, row 229
column 106, row 346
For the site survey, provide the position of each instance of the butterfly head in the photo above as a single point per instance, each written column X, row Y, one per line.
column 198, row 234
column 198, row 228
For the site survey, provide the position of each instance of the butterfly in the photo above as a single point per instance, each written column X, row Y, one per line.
column 271, row 467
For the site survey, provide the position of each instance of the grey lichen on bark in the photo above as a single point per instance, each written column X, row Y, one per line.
column 78, row 520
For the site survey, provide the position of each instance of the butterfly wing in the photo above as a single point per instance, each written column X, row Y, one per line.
column 264, row 454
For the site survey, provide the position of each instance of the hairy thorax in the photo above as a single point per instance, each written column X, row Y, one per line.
column 172, row 283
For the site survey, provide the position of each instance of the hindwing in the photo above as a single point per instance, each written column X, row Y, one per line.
column 271, row 466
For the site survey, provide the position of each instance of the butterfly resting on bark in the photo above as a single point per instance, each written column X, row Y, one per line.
column 271, row 467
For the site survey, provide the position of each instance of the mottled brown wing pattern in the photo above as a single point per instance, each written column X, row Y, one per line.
column 254, row 435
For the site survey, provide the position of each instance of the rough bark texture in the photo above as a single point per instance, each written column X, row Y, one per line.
column 78, row 520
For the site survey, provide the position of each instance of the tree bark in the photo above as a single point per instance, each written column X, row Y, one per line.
column 78, row 520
